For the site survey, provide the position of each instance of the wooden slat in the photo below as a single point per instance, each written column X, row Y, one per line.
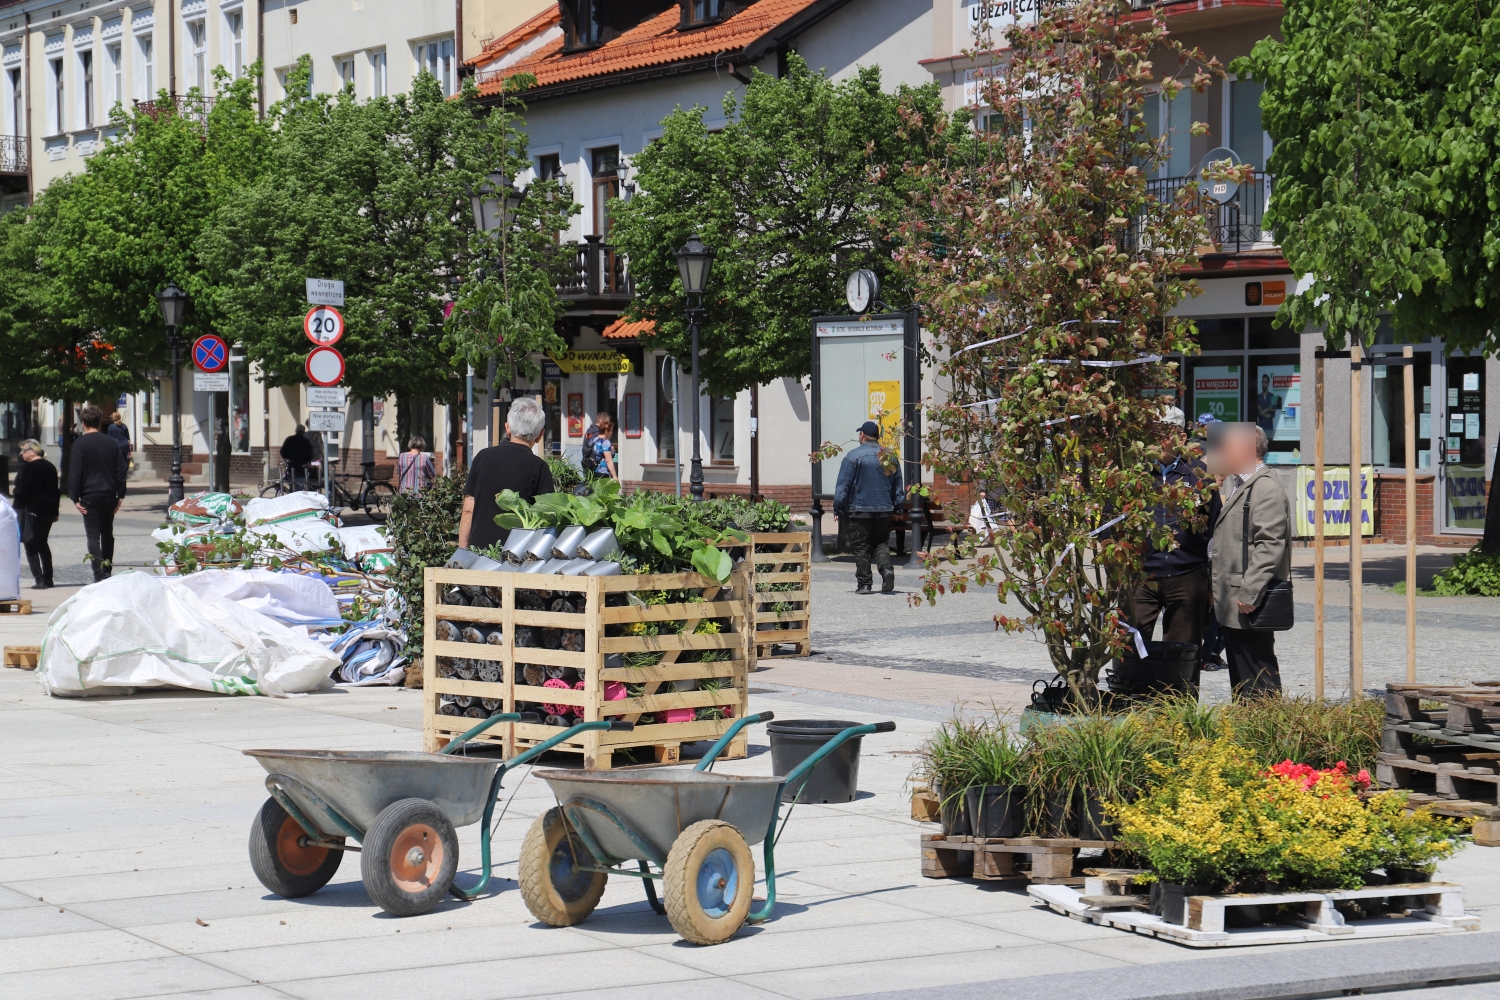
column 556, row 696
column 781, row 616
column 669, row 672
column 430, row 738
column 502, row 578
column 462, row 613
column 671, row 612
column 776, row 596
column 655, row 581
column 662, row 643
column 551, row 619
column 780, row 537
column 470, row 689
column 550, row 657
column 468, row 650
column 766, row 578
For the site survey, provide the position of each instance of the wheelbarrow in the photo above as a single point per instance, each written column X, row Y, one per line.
column 695, row 827
column 403, row 806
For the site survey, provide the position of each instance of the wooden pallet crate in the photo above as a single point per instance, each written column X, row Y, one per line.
column 15, row 607
column 1052, row 858
column 602, row 608
column 23, row 657
column 1472, row 709
column 781, row 558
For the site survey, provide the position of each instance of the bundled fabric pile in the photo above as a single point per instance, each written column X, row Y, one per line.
column 373, row 651
column 196, row 520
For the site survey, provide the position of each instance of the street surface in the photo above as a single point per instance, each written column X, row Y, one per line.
column 124, row 873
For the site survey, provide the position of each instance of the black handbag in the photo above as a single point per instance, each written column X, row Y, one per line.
column 1276, row 613
column 28, row 526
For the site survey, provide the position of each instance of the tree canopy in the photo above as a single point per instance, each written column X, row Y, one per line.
column 805, row 184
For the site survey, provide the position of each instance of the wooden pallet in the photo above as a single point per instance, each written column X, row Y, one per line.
column 781, row 558
column 23, row 657
column 19, row 607
column 1052, row 859
column 1470, row 709
column 1478, row 782
column 604, row 608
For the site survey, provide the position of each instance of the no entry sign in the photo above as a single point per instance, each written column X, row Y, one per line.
column 324, row 325
column 210, row 353
column 325, row 366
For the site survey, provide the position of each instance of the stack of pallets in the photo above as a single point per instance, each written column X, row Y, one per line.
column 1447, row 757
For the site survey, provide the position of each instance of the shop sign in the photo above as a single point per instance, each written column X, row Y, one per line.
column 1265, row 293
column 1216, row 391
column 1335, row 501
column 590, row 362
column 1463, row 490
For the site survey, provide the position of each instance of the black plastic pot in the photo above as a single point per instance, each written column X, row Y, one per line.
column 1091, row 822
column 1405, row 876
column 953, row 814
column 1169, row 901
column 995, row 810
column 1060, row 815
column 836, row 777
column 1168, row 667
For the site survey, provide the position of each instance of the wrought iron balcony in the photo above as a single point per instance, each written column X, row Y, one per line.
column 1233, row 226
column 14, row 155
column 196, row 108
column 596, row 271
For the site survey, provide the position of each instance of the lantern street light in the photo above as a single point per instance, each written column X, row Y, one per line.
column 694, row 261
column 173, row 302
column 495, row 202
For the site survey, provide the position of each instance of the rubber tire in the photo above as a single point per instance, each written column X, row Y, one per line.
column 286, row 869
column 680, row 882
column 414, row 822
column 377, row 501
column 552, row 905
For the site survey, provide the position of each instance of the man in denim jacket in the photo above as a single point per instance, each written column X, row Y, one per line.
column 865, row 497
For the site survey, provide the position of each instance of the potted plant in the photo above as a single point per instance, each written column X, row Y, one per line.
column 996, row 796
column 947, row 766
column 1077, row 767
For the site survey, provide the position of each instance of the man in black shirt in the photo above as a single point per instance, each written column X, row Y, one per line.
column 1176, row 585
column 297, row 453
column 510, row 465
column 96, row 485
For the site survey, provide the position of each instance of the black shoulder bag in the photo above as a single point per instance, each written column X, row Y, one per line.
column 1275, row 613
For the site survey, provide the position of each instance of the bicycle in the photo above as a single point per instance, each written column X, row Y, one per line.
column 374, row 496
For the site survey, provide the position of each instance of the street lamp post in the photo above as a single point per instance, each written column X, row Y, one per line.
column 495, row 202
column 173, row 302
column 694, row 261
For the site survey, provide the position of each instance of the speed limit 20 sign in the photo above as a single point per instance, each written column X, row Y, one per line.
column 324, row 325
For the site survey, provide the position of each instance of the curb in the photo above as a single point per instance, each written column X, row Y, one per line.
column 1266, row 974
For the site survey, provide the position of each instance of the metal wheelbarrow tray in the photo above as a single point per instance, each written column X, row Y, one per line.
column 695, row 827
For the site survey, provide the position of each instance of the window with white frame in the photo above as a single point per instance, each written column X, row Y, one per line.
column 436, row 57
column 56, row 95
column 86, row 88
column 377, row 74
column 114, row 74
column 17, row 101
column 197, row 54
column 346, row 72
column 234, row 42
column 145, row 69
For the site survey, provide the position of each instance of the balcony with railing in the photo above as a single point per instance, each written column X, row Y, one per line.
column 596, row 271
column 1236, row 224
column 14, row 155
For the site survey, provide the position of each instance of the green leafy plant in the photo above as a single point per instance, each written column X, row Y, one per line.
column 423, row 529
column 1473, row 572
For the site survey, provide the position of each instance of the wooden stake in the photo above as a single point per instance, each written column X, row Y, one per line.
column 1356, row 528
column 1318, row 533
column 1408, row 383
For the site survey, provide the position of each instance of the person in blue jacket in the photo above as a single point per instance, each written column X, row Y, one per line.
column 866, row 496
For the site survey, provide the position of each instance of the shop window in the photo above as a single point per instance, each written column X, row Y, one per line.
column 1214, row 388
column 1264, row 335
column 1276, row 406
column 1463, row 453
column 239, row 403
column 1221, row 334
column 666, row 391
column 1388, row 414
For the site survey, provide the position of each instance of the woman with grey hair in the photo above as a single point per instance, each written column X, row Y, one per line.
column 36, row 498
column 414, row 471
column 511, row 465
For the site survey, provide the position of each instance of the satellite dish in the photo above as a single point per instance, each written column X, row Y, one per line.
column 1221, row 189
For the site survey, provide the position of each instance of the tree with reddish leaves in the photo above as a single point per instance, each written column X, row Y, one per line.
column 1047, row 271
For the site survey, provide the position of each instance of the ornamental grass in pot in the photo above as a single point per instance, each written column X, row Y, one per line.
column 1076, row 767
column 995, row 799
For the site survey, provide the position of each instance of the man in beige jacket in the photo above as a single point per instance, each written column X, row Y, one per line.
column 1255, row 510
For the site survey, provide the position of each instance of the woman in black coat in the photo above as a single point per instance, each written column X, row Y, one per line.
column 36, row 499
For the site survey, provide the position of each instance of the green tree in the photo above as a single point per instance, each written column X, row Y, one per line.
column 804, row 185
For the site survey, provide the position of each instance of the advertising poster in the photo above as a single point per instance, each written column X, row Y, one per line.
column 1463, row 491
column 885, row 410
column 575, row 414
column 1335, row 501
column 1278, row 401
column 1216, row 390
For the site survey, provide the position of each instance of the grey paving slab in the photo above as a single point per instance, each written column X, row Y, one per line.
column 43, row 920
column 72, row 948
column 173, row 976
column 689, row 989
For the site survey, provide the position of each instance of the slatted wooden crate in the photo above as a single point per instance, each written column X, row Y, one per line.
column 780, row 558
column 603, row 604
column 15, row 607
column 24, row 657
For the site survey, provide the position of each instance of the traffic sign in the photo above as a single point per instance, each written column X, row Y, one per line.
column 210, row 381
column 325, row 292
column 326, row 420
column 334, row 396
column 325, row 366
column 324, row 325
column 210, row 353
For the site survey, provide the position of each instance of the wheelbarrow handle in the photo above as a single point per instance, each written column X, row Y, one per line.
column 729, row 734
column 544, row 746
column 457, row 742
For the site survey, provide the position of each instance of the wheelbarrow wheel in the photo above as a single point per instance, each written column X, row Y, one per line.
column 708, row 882
column 409, row 858
column 281, row 860
column 557, row 893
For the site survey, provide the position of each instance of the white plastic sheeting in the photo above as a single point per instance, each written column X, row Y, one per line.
column 10, row 552
column 136, row 630
column 287, row 597
column 296, row 521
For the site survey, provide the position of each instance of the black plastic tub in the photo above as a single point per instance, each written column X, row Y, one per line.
column 996, row 810
column 835, row 779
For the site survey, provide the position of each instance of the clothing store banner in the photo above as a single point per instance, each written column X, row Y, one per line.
column 1335, row 501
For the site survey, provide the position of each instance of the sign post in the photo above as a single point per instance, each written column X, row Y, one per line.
column 211, row 360
column 325, row 370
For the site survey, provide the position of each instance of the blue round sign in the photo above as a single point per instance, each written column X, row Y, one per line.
column 210, row 353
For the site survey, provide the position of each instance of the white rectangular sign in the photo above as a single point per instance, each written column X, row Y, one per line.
column 325, row 420
column 210, row 381
column 325, row 292
column 327, row 395
column 861, row 328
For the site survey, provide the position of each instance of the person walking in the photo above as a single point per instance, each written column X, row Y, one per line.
column 96, row 485
column 982, row 520
column 866, row 496
column 297, row 452
column 37, row 499
column 121, row 435
column 1176, row 585
column 599, row 447
column 414, row 471
column 1251, row 548
column 510, row 465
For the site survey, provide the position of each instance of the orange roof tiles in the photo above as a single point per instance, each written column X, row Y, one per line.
column 623, row 329
column 654, row 42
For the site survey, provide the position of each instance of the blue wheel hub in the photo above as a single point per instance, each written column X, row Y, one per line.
column 718, row 882
column 567, row 880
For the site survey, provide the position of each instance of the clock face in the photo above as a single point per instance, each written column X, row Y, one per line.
column 859, row 290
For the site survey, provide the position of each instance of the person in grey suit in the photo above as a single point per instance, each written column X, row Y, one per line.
column 1239, row 584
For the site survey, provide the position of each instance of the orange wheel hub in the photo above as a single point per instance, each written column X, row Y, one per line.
column 416, row 857
column 293, row 856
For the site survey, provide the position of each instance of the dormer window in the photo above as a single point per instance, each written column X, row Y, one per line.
column 698, row 13
column 587, row 24
column 581, row 27
column 702, row 11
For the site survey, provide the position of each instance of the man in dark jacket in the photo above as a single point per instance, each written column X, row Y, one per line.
column 96, row 485
column 865, row 497
column 1176, row 585
column 297, row 453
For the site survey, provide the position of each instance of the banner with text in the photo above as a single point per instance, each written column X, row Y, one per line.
column 1335, row 501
